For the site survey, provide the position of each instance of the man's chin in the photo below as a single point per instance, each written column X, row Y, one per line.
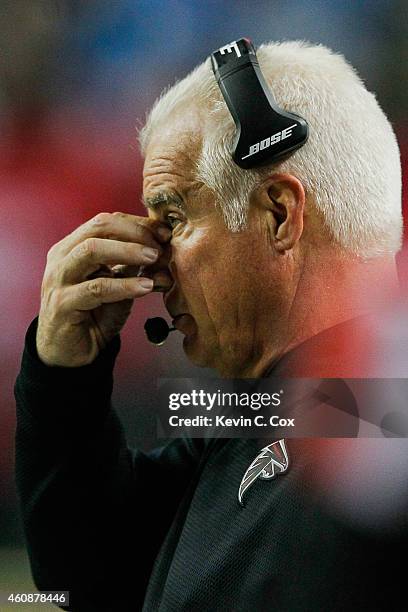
column 185, row 324
column 197, row 350
column 196, row 343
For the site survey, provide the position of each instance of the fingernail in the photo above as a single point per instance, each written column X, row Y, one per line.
column 149, row 253
column 146, row 283
column 164, row 232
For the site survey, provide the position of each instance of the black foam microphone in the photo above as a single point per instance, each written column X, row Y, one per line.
column 157, row 330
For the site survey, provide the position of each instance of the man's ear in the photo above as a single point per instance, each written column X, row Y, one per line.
column 283, row 196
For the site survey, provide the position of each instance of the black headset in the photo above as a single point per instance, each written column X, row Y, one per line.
column 264, row 132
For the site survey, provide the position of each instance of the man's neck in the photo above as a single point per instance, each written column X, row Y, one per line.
column 329, row 291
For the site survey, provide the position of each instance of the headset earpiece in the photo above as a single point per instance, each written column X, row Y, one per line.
column 265, row 132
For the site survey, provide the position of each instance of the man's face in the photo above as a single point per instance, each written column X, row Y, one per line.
column 217, row 274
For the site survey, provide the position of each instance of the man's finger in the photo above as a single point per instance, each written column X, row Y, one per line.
column 88, row 256
column 117, row 226
column 93, row 293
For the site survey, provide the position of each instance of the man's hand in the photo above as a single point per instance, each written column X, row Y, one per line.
column 90, row 281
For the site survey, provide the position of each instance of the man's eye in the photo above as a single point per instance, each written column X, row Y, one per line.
column 173, row 221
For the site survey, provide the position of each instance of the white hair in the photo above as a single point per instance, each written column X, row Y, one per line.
column 349, row 167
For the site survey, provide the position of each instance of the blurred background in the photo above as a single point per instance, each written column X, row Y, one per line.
column 76, row 79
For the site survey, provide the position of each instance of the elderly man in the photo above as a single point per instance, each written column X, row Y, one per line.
column 267, row 271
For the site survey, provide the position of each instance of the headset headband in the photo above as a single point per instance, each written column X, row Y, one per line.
column 264, row 132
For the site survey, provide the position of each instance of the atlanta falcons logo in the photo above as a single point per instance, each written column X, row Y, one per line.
column 271, row 461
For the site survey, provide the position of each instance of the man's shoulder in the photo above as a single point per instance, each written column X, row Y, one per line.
column 368, row 346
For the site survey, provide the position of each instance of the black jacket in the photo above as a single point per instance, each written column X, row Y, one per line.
column 123, row 530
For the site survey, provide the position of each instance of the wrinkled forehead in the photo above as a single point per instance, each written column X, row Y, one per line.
column 171, row 156
column 172, row 151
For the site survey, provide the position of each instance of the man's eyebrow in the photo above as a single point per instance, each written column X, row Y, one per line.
column 162, row 199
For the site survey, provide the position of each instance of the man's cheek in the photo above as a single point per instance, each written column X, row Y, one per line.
column 185, row 269
column 192, row 254
column 197, row 277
